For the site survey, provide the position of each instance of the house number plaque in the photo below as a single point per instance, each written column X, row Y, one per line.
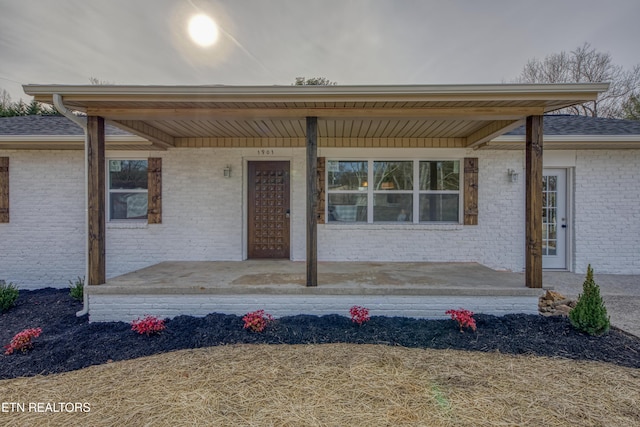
column 266, row 152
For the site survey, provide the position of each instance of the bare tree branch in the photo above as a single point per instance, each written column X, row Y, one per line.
column 586, row 65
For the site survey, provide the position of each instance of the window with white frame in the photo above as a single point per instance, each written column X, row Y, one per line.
column 347, row 190
column 128, row 187
column 393, row 191
column 439, row 191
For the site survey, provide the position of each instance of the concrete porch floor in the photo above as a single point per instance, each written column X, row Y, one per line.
column 420, row 290
column 335, row 278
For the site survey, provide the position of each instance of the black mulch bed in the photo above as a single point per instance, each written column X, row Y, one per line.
column 68, row 343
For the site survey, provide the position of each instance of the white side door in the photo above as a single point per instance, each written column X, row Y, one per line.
column 554, row 219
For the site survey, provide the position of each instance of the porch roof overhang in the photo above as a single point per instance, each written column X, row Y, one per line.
column 460, row 116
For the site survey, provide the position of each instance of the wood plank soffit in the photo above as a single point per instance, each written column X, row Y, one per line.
column 234, row 142
column 158, row 138
column 490, row 131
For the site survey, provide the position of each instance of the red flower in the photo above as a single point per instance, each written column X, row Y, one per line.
column 359, row 314
column 149, row 325
column 22, row 340
column 464, row 318
column 257, row 320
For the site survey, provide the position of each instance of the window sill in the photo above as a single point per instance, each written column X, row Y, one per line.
column 132, row 224
column 392, row 226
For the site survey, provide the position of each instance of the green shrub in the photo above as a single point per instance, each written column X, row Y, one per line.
column 8, row 295
column 77, row 288
column 590, row 314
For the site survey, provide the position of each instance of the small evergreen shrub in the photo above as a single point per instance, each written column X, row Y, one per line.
column 76, row 289
column 590, row 315
column 8, row 295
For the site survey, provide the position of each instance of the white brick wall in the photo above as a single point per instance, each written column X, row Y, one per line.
column 201, row 214
column 106, row 308
column 44, row 244
column 607, row 211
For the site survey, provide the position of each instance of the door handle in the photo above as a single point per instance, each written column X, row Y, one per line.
column 564, row 225
column 287, row 214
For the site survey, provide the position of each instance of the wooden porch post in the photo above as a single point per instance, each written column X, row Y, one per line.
column 96, row 200
column 312, row 201
column 533, row 214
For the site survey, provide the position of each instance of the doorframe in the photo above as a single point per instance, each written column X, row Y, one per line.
column 569, row 212
column 245, row 199
column 570, row 219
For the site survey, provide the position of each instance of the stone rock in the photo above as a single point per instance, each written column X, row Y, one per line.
column 555, row 304
column 553, row 296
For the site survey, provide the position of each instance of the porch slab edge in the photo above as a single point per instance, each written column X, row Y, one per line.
column 301, row 290
column 106, row 308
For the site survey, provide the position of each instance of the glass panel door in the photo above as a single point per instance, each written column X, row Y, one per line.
column 554, row 218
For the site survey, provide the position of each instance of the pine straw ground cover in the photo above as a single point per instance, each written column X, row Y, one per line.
column 231, row 382
column 335, row 385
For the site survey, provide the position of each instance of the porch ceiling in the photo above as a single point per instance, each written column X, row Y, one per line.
column 455, row 115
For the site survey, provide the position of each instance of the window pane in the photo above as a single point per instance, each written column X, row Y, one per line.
column 440, row 175
column 347, row 207
column 347, row 175
column 439, row 207
column 551, row 248
column 393, row 175
column 393, row 207
column 128, row 205
column 128, row 174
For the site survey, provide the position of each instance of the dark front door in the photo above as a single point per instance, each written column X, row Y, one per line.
column 268, row 201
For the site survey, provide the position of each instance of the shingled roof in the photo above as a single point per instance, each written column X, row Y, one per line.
column 583, row 125
column 47, row 125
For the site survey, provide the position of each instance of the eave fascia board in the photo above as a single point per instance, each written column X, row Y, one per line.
column 580, row 91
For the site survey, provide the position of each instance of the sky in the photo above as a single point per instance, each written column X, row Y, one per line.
column 271, row 42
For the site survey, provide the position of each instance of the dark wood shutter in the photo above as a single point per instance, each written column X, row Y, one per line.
column 154, row 174
column 4, row 189
column 321, row 189
column 471, row 191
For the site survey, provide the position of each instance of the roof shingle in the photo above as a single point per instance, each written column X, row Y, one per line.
column 47, row 125
column 583, row 125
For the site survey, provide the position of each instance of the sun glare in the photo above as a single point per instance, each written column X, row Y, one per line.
column 203, row 30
